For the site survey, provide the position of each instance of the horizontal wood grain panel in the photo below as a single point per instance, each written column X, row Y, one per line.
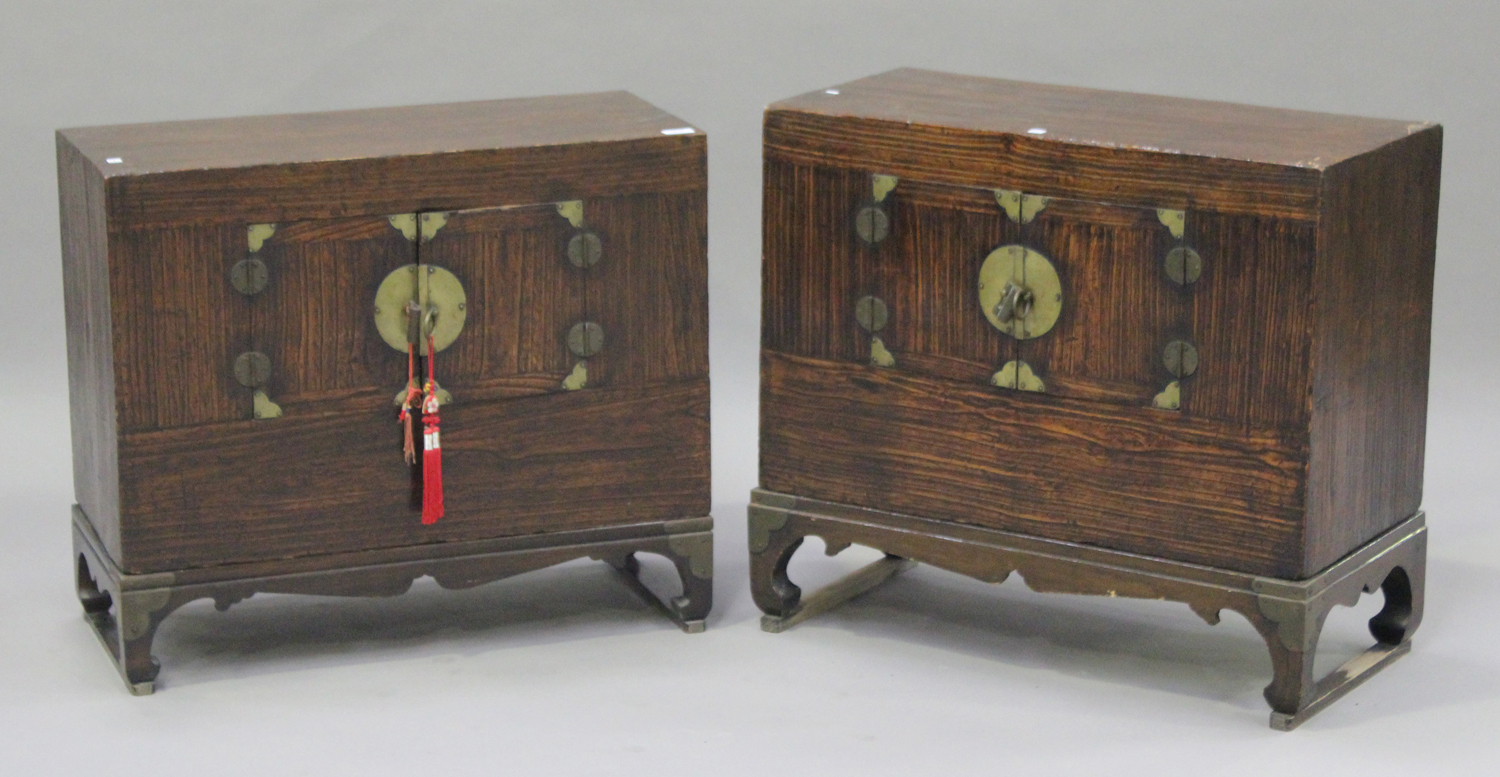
column 1123, row 176
column 1133, row 479
column 336, row 482
column 402, row 184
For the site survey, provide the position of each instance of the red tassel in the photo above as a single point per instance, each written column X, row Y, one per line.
column 432, row 449
column 432, row 461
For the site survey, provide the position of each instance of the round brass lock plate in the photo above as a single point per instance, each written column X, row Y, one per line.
column 1183, row 265
column 872, row 224
column 249, row 276
column 252, row 369
column 585, row 339
column 1025, row 272
column 1180, row 358
column 584, row 250
column 871, row 313
column 439, row 295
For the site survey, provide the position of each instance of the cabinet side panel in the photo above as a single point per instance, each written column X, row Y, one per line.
column 1376, row 249
column 91, row 382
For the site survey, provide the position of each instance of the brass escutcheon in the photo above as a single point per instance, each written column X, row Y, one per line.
column 1183, row 265
column 1019, row 291
column 1180, row 358
column 871, row 314
column 252, row 369
column 585, row 339
column 872, row 224
column 584, row 250
column 433, row 292
column 249, row 276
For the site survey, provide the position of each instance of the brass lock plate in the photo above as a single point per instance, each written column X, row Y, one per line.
column 439, row 299
column 1020, row 292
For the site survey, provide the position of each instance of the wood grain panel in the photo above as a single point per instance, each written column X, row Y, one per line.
column 381, row 185
column 90, row 333
column 1372, row 344
column 812, row 260
column 522, row 292
column 335, row 483
column 178, row 325
column 1132, row 479
column 1125, row 176
column 649, row 290
column 1119, row 309
column 315, row 318
column 1251, row 319
column 930, row 274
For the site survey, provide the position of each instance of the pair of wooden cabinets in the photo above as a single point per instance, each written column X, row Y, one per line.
column 1125, row 344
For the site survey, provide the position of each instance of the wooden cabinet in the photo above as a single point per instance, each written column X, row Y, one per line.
column 235, row 380
column 1167, row 329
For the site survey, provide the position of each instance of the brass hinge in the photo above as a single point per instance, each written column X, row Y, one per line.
column 431, row 223
column 1174, row 220
column 578, row 378
column 572, row 210
column 1018, row 375
column 1170, row 397
column 405, row 223
column 258, row 234
column 1020, row 207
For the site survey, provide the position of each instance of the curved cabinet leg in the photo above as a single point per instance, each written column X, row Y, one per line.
column 125, row 621
column 774, row 539
column 693, row 556
column 773, row 591
column 1291, row 631
column 697, row 598
column 1402, row 613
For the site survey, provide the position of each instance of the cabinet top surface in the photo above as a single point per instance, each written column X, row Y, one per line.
column 137, row 149
column 1094, row 117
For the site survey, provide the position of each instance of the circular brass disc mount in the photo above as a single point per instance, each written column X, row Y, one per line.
column 437, row 292
column 1029, row 281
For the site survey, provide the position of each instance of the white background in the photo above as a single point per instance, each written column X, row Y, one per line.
column 562, row 671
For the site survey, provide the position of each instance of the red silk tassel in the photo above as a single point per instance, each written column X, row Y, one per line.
column 432, row 450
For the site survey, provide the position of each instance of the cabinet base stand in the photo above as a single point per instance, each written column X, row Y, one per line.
column 1288, row 614
column 126, row 609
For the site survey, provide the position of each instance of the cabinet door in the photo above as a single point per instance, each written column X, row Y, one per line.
column 580, row 379
column 1119, row 310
